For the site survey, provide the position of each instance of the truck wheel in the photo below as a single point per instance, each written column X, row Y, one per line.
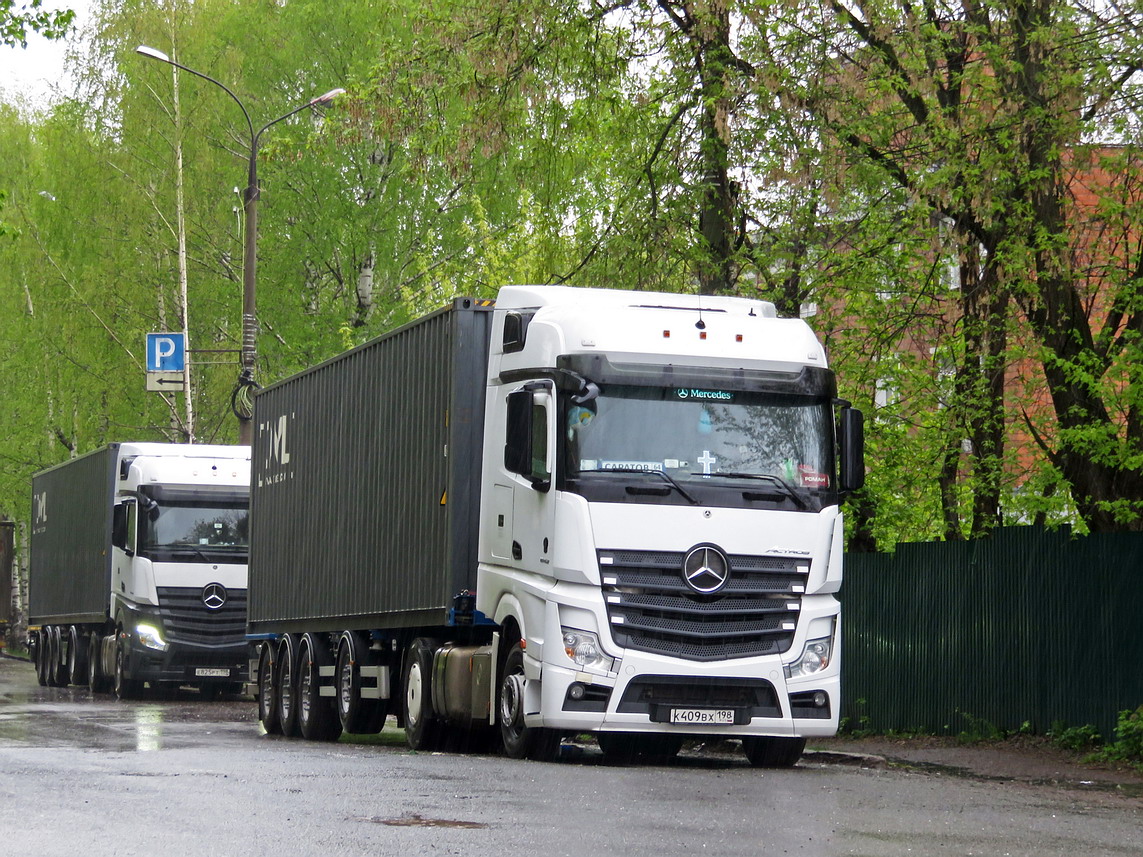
column 52, row 654
column 267, row 691
column 317, row 716
column 766, row 752
column 422, row 730
column 41, row 655
column 520, row 741
column 96, row 680
column 63, row 657
column 125, row 687
column 287, row 696
column 358, row 716
column 77, row 661
column 626, row 747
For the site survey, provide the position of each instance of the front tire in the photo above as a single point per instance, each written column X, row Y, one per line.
column 518, row 740
column 125, row 687
column 767, row 752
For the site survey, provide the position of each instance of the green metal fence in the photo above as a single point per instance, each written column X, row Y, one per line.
column 1027, row 626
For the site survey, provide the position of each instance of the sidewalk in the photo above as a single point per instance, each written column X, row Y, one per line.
column 1021, row 759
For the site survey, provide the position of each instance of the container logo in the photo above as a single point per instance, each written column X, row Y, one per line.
column 214, row 596
column 277, row 460
column 40, row 502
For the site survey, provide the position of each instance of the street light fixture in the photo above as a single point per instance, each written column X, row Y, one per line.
column 240, row 400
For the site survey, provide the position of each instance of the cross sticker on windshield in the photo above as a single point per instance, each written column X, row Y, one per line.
column 707, row 461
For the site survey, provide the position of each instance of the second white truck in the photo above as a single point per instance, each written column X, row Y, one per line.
column 138, row 568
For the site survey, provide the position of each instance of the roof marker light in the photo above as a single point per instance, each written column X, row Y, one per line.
column 666, row 334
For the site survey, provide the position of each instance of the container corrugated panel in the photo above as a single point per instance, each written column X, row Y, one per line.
column 69, row 576
column 1025, row 627
column 366, row 481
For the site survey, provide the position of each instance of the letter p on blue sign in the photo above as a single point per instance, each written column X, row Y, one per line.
column 166, row 352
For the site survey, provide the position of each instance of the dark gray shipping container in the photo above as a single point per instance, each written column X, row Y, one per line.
column 365, row 490
column 69, row 575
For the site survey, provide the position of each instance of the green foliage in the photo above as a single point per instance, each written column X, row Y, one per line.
column 1076, row 739
column 31, row 17
column 1128, row 744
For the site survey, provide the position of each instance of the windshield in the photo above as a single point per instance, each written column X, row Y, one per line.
column 781, row 443
column 207, row 530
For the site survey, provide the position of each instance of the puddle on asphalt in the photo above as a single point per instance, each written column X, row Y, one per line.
column 415, row 820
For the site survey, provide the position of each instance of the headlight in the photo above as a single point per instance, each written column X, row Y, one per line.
column 151, row 637
column 583, row 648
column 815, row 657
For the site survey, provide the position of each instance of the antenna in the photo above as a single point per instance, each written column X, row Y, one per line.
column 700, row 324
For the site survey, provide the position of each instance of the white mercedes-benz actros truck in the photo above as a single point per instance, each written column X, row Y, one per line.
column 567, row 511
column 137, row 570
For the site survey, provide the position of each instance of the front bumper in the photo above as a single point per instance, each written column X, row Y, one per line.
column 187, row 664
column 181, row 662
column 649, row 695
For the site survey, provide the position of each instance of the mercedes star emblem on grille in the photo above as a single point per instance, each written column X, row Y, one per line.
column 214, row 596
column 705, row 569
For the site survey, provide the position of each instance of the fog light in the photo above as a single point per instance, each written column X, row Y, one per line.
column 576, row 691
column 820, row 699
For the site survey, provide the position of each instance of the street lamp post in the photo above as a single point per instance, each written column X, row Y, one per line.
column 240, row 400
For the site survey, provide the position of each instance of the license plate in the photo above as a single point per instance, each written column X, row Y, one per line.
column 702, row 715
column 211, row 672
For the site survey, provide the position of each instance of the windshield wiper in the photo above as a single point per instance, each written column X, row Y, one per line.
column 666, row 477
column 789, row 489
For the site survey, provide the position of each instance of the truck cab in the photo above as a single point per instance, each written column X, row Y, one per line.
column 661, row 535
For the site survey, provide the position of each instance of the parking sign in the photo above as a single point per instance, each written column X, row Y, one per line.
column 166, row 352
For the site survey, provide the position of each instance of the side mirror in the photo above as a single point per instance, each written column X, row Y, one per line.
column 852, row 449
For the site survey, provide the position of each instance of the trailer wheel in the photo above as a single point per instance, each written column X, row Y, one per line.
column 96, row 678
column 422, row 729
column 358, row 716
column 125, row 687
column 317, row 716
column 267, row 691
column 52, row 651
column 766, row 752
column 520, row 741
column 41, row 655
column 77, row 660
column 287, row 696
column 63, row 657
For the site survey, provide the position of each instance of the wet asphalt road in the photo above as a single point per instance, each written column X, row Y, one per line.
column 178, row 776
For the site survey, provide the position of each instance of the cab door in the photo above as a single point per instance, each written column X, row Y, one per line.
column 530, row 459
